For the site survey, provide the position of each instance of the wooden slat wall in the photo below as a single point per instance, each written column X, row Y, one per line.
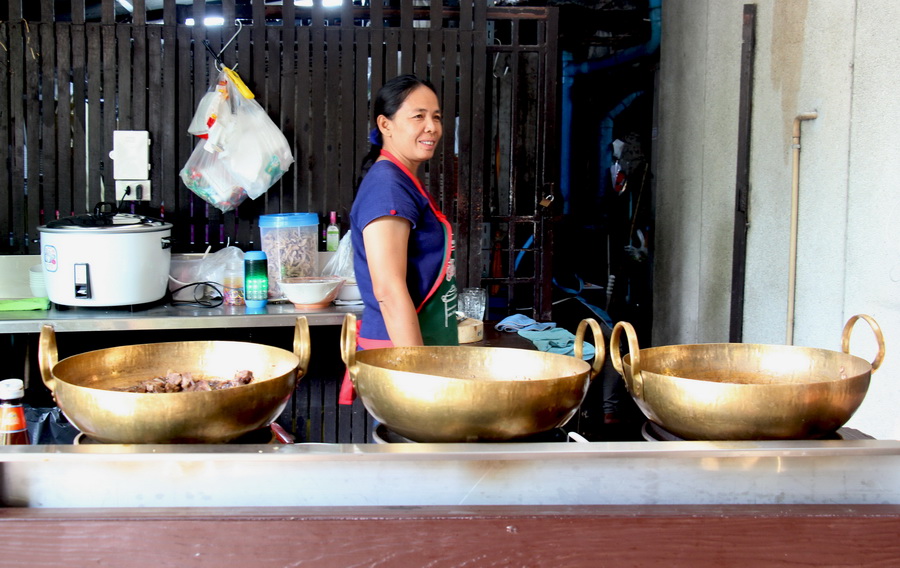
column 313, row 70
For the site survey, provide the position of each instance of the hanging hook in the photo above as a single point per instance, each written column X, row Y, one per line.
column 216, row 59
column 224, row 47
column 218, row 56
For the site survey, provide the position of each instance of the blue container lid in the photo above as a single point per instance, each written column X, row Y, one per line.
column 256, row 306
column 254, row 255
column 278, row 220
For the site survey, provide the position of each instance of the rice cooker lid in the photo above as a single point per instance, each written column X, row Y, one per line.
column 105, row 219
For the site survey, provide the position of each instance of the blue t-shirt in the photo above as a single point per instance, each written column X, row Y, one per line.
column 387, row 191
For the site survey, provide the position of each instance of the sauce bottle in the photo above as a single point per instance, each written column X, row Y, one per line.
column 332, row 233
column 13, row 429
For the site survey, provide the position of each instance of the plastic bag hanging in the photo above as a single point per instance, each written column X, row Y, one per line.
column 242, row 152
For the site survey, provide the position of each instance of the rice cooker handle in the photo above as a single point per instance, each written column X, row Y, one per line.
column 301, row 345
column 633, row 379
column 48, row 356
column 600, row 347
column 105, row 210
column 167, row 242
column 348, row 345
column 876, row 329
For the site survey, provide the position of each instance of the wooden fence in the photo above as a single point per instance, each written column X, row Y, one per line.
column 71, row 79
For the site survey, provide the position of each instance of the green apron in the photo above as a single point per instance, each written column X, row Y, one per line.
column 437, row 312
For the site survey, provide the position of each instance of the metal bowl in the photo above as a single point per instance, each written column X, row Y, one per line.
column 738, row 391
column 83, row 384
column 470, row 393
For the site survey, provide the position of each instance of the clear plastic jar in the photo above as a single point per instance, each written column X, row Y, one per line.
column 233, row 284
column 290, row 241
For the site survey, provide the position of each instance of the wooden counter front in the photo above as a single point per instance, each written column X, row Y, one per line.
column 580, row 536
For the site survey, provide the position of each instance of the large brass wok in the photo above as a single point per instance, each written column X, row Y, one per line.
column 737, row 391
column 470, row 393
column 83, row 388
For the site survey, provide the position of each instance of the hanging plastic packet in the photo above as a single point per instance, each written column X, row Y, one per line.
column 243, row 153
column 341, row 264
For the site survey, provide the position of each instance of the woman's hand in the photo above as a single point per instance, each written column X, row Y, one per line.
column 386, row 240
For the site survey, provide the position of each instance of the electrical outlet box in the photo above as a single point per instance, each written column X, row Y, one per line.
column 130, row 154
column 133, row 190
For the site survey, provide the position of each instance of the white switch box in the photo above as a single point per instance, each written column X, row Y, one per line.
column 133, row 190
column 130, row 154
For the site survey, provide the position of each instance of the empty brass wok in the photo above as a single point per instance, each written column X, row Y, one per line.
column 83, row 388
column 738, row 391
column 470, row 393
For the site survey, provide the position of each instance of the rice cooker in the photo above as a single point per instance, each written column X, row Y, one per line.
column 106, row 258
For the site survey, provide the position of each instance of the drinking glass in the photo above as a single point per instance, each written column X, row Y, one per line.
column 472, row 302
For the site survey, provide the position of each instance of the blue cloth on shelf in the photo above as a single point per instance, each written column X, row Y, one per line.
column 518, row 322
column 556, row 340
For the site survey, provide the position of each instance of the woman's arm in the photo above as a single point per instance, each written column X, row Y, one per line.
column 386, row 241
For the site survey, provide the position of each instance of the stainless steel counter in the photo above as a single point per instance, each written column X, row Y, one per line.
column 595, row 473
column 166, row 316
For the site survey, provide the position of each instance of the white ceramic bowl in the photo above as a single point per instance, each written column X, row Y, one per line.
column 349, row 292
column 308, row 292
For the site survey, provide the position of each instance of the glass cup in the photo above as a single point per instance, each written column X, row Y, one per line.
column 472, row 302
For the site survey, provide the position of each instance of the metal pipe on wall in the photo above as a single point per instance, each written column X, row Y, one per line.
column 571, row 69
column 795, row 209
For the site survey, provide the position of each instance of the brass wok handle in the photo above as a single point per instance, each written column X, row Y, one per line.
column 348, row 345
column 876, row 329
column 301, row 345
column 634, row 380
column 48, row 356
column 599, row 345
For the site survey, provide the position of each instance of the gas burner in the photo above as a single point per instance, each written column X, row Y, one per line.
column 383, row 435
column 653, row 432
column 274, row 434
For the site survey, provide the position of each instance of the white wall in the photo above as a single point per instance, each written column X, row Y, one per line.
column 840, row 59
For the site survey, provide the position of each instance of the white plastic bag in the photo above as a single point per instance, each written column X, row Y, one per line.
column 194, row 275
column 243, row 153
column 341, row 264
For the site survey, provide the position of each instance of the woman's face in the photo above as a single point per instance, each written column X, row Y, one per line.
column 414, row 132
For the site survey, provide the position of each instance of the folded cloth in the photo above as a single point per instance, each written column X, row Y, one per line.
column 23, row 304
column 556, row 340
column 517, row 322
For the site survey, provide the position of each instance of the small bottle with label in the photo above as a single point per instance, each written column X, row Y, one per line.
column 233, row 282
column 256, row 279
column 332, row 233
column 13, row 428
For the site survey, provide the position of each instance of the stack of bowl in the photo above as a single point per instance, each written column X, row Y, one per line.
column 36, row 281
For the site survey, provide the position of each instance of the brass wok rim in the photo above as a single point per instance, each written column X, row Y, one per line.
column 48, row 355
column 348, row 343
column 632, row 360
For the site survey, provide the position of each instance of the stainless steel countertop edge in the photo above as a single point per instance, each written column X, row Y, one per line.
column 166, row 317
column 430, row 452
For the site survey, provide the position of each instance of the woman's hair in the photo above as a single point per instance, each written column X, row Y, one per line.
column 387, row 102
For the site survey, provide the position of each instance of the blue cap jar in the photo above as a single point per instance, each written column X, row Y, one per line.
column 291, row 243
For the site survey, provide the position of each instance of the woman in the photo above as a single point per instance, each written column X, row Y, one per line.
column 402, row 243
